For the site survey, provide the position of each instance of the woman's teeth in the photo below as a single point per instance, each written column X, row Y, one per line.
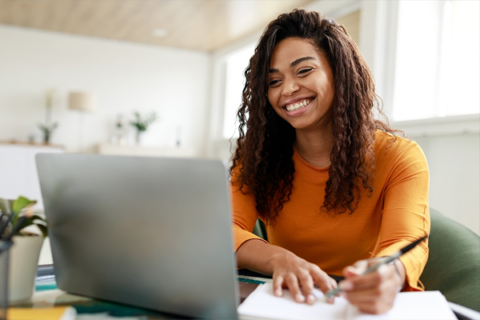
column 298, row 105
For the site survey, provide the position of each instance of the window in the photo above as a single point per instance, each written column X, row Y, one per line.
column 236, row 64
column 437, row 59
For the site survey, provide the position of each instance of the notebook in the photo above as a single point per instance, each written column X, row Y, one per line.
column 408, row 305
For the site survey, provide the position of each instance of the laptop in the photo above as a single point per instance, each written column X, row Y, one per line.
column 154, row 233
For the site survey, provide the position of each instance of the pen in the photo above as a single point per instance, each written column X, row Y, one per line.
column 375, row 267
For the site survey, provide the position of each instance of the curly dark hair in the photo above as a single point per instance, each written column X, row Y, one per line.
column 263, row 156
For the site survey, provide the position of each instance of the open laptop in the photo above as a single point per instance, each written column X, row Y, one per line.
column 149, row 232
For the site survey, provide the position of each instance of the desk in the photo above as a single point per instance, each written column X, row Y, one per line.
column 98, row 310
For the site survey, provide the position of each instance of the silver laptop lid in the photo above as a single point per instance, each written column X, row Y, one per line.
column 149, row 232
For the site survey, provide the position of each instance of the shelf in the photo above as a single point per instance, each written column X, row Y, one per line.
column 127, row 150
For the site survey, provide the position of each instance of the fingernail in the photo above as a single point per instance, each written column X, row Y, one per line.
column 346, row 285
column 331, row 300
column 311, row 298
column 300, row 297
column 278, row 293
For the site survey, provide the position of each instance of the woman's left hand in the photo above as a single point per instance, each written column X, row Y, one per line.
column 374, row 292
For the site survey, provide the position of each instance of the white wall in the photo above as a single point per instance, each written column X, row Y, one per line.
column 452, row 150
column 454, row 163
column 125, row 77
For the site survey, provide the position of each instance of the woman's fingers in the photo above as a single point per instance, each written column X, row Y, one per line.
column 367, row 296
column 301, row 285
column 299, row 276
column 306, row 282
column 373, row 292
column 366, row 282
column 292, row 283
column 374, row 308
column 358, row 268
column 322, row 280
column 277, row 285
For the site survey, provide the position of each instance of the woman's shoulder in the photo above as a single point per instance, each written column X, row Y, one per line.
column 389, row 147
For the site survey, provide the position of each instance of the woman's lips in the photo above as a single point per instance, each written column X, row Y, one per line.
column 299, row 112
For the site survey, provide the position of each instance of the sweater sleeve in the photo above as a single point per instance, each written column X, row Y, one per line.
column 405, row 215
column 245, row 214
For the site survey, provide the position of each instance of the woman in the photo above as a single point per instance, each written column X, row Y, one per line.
column 335, row 188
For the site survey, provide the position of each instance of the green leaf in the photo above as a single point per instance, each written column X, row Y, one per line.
column 43, row 229
column 26, row 223
column 21, row 203
column 18, row 205
column 36, row 218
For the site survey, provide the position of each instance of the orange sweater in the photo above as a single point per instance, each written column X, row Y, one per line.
column 395, row 215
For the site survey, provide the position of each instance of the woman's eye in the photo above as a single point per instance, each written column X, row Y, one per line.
column 304, row 71
column 273, row 82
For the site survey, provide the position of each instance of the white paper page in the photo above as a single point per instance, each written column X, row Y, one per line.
column 263, row 303
column 411, row 305
column 408, row 305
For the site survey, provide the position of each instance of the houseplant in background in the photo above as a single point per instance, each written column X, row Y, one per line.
column 29, row 230
column 141, row 124
column 47, row 128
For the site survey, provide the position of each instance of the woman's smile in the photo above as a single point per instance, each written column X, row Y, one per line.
column 298, row 108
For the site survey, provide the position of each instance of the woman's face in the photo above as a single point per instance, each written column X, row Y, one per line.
column 300, row 85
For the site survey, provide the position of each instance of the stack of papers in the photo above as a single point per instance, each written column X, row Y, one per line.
column 408, row 305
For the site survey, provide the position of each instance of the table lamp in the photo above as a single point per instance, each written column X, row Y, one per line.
column 82, row 102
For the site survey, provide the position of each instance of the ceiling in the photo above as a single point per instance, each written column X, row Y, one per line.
column 189, row 24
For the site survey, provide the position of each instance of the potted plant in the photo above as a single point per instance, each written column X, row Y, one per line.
column 18, row 221
column 141, row 124
column 47, row 128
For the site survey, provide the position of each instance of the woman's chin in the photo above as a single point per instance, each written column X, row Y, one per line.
column 301, row 124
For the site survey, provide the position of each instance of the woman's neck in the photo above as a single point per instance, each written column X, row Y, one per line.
column 315, row 145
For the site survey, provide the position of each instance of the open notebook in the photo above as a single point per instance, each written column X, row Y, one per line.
column 408, row 305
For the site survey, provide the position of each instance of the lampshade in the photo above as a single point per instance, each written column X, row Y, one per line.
column 82, row 101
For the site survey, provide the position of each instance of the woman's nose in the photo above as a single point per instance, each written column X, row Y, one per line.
column 290, row 86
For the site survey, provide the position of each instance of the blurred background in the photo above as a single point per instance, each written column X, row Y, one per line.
column 164, row 78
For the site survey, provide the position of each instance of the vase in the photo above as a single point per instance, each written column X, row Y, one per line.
column 46, row 137
column 139, row 138
column 23, row 263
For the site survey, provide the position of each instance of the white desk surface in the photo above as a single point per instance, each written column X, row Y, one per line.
column 49, row 298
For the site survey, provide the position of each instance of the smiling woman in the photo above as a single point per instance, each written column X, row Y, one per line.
column 312, row 72
column 335, row 187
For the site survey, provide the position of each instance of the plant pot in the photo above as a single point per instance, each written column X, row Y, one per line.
column 24, row 256
column 140, row 138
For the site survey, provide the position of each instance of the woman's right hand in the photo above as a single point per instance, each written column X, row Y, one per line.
column 299, row 276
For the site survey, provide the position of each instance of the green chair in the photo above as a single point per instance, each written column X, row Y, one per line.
column 453, row 265
column 259, row 230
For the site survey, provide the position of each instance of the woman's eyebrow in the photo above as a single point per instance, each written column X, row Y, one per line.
column 293, row 64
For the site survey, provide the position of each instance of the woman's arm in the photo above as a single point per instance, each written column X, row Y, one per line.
column 404, row 219
column 253, row 253
column 287, row 269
